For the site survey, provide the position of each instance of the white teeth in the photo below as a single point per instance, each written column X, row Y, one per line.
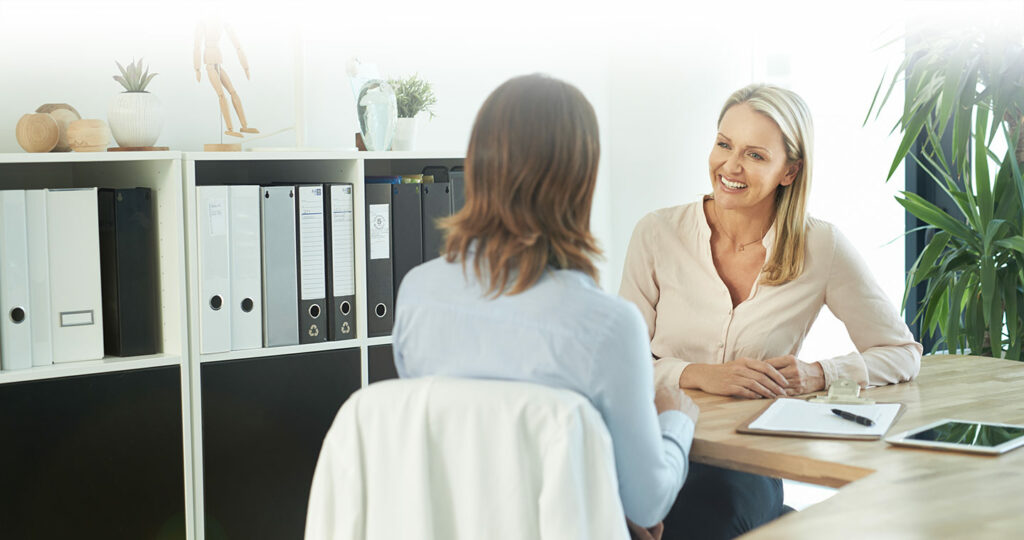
column 733, row 185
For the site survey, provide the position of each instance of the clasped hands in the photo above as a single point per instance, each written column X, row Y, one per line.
column 750, row 378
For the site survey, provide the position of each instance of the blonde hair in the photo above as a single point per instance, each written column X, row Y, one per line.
column 531, row 169
column 791, row 114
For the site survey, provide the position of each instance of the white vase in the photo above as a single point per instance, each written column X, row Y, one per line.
column 135, row 118
column 405, row 134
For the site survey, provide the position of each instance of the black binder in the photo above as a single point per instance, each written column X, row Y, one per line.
column 339, row 244
column 380, row 291
column 406, row 229
column 457, row 178
column 437, row 204
column 439, row 172
column 131, row 321
column 309, row 228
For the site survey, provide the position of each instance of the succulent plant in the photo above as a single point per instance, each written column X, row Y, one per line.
column 134, row 79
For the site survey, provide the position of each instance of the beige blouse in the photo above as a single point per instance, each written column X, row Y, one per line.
column 670, row 276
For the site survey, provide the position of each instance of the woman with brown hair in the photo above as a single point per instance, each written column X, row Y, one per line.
column 514, row 295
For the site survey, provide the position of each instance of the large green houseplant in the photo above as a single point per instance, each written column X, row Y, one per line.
column 966, row 84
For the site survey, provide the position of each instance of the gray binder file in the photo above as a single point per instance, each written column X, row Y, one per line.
column 457, row 178
column 246, row 269
column 339, row 237
column 312, row 270
column 214, row 269
column 280, row 266
column 407, row 229
column 437, row 204
column 15, row 318
column 380, row 292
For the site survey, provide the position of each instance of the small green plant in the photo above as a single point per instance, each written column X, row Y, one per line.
column 134, row 78
column 414, row 95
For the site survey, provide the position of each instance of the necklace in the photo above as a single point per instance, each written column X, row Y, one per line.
column 739, row 248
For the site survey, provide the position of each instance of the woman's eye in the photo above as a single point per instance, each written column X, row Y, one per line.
column 723, row 145
column 757, row 156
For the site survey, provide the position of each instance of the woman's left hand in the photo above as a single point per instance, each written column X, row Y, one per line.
column 801, row 377
column 637, row 532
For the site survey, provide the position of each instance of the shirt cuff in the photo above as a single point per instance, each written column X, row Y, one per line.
column 678, row 428
column 850, row 366
column 667, row 371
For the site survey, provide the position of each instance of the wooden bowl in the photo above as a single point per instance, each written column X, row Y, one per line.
column 37, row 132
column 64, row 114
column 88, row 135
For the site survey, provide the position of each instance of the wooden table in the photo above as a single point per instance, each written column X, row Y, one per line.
column 886, row 491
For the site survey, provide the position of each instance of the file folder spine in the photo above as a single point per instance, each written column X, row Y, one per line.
column 437, row 204
column 339, row 236
column 312, row 270
column 76, row 303
column 407, row 229
column 280, row 267
column 39, row 277
column 246, row 282
column 128, row 272
column 15, row 317
column 379, row 285
column 214, row 269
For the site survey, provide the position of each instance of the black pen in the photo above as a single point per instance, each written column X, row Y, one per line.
column 853, row 417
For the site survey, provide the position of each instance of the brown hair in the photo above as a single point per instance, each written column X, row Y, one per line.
column 531, row 169
column 793, row 117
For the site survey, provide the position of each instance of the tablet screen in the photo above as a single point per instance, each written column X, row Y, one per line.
column 969, row 433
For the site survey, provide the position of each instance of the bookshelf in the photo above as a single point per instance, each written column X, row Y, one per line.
column 198, row 428
column 101, row 422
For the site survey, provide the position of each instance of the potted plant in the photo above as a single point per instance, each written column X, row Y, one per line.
column 135, row 115
column 414, row 95
column 967, row 84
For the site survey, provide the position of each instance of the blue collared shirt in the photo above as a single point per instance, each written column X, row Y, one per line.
column 562, row 332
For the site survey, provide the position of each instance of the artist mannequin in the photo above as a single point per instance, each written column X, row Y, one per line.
column 208, row 35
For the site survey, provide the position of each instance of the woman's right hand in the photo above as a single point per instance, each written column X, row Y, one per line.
column 743, row 377
column 669, row 398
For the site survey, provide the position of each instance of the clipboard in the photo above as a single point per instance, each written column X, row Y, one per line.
column 820, row 434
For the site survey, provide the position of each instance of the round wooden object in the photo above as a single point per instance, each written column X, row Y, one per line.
column 88, row 136
column 37, row 132
column 64, row 114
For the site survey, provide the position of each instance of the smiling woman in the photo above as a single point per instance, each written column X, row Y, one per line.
column 730, row 285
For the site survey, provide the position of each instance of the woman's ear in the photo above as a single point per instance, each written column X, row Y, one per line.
column 791, row 171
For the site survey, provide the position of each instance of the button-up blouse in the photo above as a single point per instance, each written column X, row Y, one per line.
column 669, row 274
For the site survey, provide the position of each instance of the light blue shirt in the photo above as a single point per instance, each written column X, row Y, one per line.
column 562, row 332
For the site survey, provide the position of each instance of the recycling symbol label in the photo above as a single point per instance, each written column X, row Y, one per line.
column 314, row 331
column 345, row 328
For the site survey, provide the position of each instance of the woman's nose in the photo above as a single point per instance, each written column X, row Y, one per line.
column 732, row 164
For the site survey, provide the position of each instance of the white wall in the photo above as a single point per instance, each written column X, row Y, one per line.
column 656, row 76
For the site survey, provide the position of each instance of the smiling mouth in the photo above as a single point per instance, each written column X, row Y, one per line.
column 730, row 184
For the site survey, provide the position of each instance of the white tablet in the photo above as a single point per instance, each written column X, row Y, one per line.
column 963, row 435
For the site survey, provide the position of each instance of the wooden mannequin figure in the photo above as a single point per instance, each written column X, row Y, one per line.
column 208, row 35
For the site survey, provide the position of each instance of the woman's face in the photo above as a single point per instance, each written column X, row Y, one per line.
column 748, row 162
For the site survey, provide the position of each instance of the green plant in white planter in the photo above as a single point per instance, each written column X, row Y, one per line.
column 414, row 95
column 135, row 115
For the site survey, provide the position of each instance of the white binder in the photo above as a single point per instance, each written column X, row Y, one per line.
column 76, row 304
column 214, row 269
column 246, row 287
column 39, row 277
column 15, row 314
column 312, row 304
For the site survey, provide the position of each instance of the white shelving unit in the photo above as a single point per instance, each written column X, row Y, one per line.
column 162, row 173
column 173, row 177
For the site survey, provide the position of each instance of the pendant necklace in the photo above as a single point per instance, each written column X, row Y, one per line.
column 740, row 247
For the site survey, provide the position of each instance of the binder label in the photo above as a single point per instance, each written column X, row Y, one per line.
column 311, row 243
column 343, row 250
column 380, row 235
column 217, row 212
column 76, row 318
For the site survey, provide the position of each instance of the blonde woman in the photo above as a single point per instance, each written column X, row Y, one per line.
column 730, row 285
column 514, row 295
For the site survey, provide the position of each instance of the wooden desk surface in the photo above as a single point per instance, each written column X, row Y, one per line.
column 886, row 491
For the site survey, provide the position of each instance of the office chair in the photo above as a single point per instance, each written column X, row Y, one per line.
column 441, row 458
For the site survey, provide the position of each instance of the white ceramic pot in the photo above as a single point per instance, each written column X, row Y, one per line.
column 135, row 118
column 405, row 134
